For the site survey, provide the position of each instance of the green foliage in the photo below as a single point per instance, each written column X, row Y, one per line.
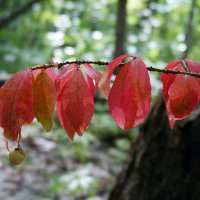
column 85, row 30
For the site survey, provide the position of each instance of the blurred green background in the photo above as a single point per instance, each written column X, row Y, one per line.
column 37, row 31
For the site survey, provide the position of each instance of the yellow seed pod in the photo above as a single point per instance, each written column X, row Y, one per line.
column 17, row 156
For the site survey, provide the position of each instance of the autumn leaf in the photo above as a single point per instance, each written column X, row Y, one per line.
column 168, row 79
column 130, row 96
column 90, row 83
column 16, row 97
column 63, row 76
column 92, row 73
column 75, row 104
column 92, row 76
column 49, row 71
column 122, row 99
column 183, row 96
column 104, row 84
column 181, row 92
column 44, row 97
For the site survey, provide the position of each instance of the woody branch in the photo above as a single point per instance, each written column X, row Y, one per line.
column 79, row 62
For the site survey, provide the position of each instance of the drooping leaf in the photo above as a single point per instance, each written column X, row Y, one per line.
column 104, row 84
column 75, row 104
column 130, row 96
column 183, row 96
column 16, row 103
column 44, row 97
column 122, row 100
column 171, row 90
column 142, row 87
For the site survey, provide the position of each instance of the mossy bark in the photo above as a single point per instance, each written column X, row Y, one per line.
column 163, row 164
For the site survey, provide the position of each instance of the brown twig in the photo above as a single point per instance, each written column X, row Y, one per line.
column 79, row 62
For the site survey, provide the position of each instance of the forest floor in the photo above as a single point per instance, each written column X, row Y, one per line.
column 59, row 169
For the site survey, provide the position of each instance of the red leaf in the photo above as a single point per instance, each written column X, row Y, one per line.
column 142, row 89
column 49, row 71
column 194, row 67
column 183, row 97
column 44, row 97
column 63, row 76
column 90, row 85
column 75, row 105
column 175, row 90
column 104, row 84
column 16, row 103
column 168, row 79
column 93, row 73
column 130, row 95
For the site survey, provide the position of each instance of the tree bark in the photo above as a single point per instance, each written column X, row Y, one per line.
column 120, row 28
column 189, row 29
column 163, row 164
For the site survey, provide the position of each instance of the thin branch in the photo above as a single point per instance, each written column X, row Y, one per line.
column 79, row 62
column 185, row 65
column 59, row 65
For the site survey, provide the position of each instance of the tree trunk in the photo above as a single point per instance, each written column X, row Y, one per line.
column 163, row 164
column 120, row 28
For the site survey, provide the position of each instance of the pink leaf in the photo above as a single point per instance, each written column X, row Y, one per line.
column 51, row 73
column 104, row 84
column 64, row 75
column 130, row 96
column 142, row 89
column 93, row 73
column 183, row 96
column 169, row 89
column 75, row 105
column 168, row 79
column 90, row 85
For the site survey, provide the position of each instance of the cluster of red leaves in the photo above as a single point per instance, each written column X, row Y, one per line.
column 34, row 93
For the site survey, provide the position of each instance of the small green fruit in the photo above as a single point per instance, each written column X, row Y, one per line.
column 17, row 156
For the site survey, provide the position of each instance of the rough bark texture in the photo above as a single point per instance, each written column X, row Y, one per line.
column 163, row 164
